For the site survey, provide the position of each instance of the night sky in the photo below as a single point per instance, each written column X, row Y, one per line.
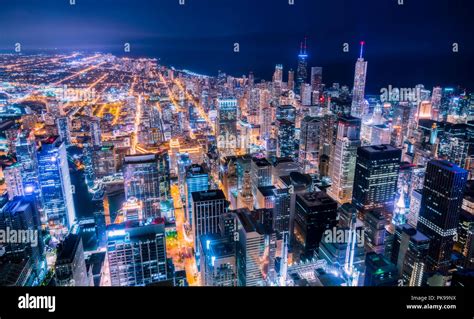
column 405, row 45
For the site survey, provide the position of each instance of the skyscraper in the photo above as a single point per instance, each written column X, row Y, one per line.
column 137, row 253
column 309, row 144
column 278, row 75
column 317, row 79
column 14, row 181
column 409, row 252
column 55, row 183
column 250, row 248
column 146, row 178
column 26, row 156
column 104, row 160
column 376, row 176
column 315, row 213
column 375, row 233
column 70, row 268
column 440, row 208
column 286, row 138
column 380, row 271
column 227, row 126
column 218, row 264
column 208, row 207
column 285, row 112
column 260, row 174
column 95, row 132
column 20, row 215
column 344, row 161
column 306, row 94
column 197, row 179
column 302, row 71
column 358, row 95
column 282, row 210
column 291, row 80
column 64, row 129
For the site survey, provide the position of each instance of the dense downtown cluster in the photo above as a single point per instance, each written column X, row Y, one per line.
column 121, row 171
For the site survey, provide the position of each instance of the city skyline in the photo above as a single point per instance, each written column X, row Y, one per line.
column 124, row 164
column 165, row 30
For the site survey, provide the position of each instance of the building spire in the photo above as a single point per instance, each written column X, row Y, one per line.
column 362, row 43
column 399, row 215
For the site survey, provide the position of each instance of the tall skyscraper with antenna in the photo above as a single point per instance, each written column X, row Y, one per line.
column 357, row 108
column 302, row 71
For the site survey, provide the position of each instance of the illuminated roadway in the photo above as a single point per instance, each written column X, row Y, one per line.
column 185, row 244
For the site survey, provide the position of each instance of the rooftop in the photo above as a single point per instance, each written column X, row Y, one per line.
column 315, row 199
column 215, row 194
column 266, row 190
column 261, row 162
column 446, row 165
column 67, row 248
column 139, row 158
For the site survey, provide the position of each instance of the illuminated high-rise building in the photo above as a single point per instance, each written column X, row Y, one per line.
column 424, row 110
column 26, row 156
column 104, row 161
column 197, row 179
column 315, row 213
column 137, row 253
column 96, row 137
column 376, row 177
column 246, row 191
column 302, row 71
column 285, row 138
column 227, row 126
column 344, row 161
column 278, row 75
column 21, row 216
column 285, row 112
column 309, row 144
column 358, row 95
column 282, row 210
column 260, row 173
column 208, row 207
column 465, row 232
column 409, row 252
column 64, row 129
column 70, row 267
column 13, row 180
column 436, row 102
column 317, row 79
column 291, row 80
column 440, row 209
column 218, row 264
column 147, row 178
column 55, row 182
column 250, row 249
column 306, row 94
column 266, row 123
column 375, row 233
